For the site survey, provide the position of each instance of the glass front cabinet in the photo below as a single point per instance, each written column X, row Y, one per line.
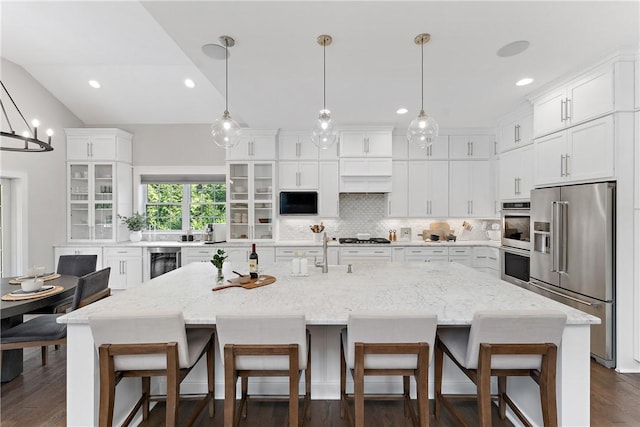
column 250, row 200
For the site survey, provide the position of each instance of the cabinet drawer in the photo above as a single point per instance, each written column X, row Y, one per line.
column 122, row 251
column 455, row 251
column 427, row 251
column 368, row 252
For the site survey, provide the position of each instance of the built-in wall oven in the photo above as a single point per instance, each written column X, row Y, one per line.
column 163, row 259
column 515, row 252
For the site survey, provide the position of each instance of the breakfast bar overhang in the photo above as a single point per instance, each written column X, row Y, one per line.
column 452, row 291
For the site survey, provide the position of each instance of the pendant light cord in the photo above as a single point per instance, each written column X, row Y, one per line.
column 422, row 76
column 324, row 76
column 226, row 77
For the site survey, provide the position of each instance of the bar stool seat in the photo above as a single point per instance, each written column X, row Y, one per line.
column 503, row 344
column 264, row 346
column 150, row 344
column 390, row 345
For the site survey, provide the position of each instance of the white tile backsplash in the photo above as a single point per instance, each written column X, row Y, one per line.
column 365, row 213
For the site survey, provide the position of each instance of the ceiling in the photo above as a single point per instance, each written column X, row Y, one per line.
column 141, row 52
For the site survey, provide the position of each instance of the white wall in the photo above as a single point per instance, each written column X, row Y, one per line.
column 42, row 175
column 174, row 145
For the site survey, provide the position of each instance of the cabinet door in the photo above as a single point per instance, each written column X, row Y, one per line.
column 591, row 96
column 471, row 147
column 379, row 144
column 482, row 195
column 549, row 152
column 418, row 189
column 117, row 278
column 352, row 144
column 397, row 198
column 240, row 151
column 509, row 169
column 460, row 188
column 591, row 150
column 79, row 214
column 328, row 198
column 261, row 201
column 103, row 148
column 308, row 175
column 103, row 201
column 438, row 179
column 263, row 147
column 288, row 175
column 438, row 150
column 78, row 148
column 548, row 113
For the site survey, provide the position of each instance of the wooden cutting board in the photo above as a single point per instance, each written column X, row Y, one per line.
column 263, row 280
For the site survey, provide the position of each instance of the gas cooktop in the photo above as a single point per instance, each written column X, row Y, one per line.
column 352, row 240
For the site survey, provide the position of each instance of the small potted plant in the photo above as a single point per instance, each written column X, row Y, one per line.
column 218, row 261
column 135, row 223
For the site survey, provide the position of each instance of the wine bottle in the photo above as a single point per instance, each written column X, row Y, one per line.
column 253, row 262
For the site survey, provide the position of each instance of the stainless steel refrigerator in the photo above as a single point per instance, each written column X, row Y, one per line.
column 573, row 255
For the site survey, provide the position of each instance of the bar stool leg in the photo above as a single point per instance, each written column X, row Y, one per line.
column 484, row 386
column 343, row 380
column 211, row 380
column 406, row 399
column 173, row 385
column 146, row 391
column 502, row 392
column 422, row 386
column 107, row 387
column 439, row 361
column 548, row 388
column 230, row 379
column 359, row 384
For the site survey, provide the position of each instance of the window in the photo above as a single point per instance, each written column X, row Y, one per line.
column 177, row 206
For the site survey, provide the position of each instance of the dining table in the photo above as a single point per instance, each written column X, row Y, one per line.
column 12, row 313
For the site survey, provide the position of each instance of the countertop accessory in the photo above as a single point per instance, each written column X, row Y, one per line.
column 423, row 128
column 225, row 131
column 262, row 280
column 363, row 236
column 30, row 136
column 323, row 133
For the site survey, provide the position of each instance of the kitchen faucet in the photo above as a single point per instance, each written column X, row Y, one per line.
column 325, row 263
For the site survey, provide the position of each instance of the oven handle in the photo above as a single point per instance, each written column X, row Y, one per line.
column 178, row 259
column 515, row 251
column 532, row 283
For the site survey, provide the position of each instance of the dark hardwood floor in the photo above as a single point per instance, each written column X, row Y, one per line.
column 37, row 398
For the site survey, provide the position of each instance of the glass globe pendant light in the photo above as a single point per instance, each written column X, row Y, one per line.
column 423, row 129
column 324, row 132
column 226, row 131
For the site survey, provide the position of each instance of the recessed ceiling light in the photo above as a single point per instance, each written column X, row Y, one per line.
column 513, row 48
column 402, row 110
column 94, row 84
column 524, row 82
column 189, row 83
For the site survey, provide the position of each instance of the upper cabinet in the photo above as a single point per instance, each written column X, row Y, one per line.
column 437, row 150
column 99, row 184
column 471, row 147
column 471, row 189
column 254, row 145
column 366, row 143
column 516, row 129
column 596, row 93
column 98, row 144
column 296, row 146
column 516, row 174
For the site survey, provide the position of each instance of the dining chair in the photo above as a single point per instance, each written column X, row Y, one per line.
column 503, row 344
column 44, row 330
column 71, row 265
column 148, row 344
column 264, row 346
column 389, row 345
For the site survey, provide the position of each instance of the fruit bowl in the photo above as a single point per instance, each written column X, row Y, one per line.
column 264, row 220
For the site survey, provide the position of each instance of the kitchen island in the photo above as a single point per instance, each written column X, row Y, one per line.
column 452, row 291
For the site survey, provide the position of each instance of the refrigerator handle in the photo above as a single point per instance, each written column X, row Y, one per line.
column 555, row 246
column 564, row 238
column 532, row 283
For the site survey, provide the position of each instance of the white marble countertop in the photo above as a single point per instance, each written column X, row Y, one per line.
column 450, row 290
column 290, row 243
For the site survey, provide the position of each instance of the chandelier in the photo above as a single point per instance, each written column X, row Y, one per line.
column 226, row 131
column 324, row 132
column 28, row 142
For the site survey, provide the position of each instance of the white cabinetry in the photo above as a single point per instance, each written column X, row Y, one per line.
column 126, row 266
column 250, row 200
column 312, row 253
column 428, row 188
column 486, row 259
column 352, row 255
column 255, row 145
column 516, row 130
column 583, row 152
column 298, row 175
column 437, row 150
column 99, row 184
column 397, row 199
column 470, row 189
column 398, row 253
column 239, row 256
column 296, row 146
column 429, row 254
column 471, row 147
column 461, row 255
column 366, row 143
column 516, row 173
column 198, row 254
column 598, row 92
column 78, row 250
column 328, row 198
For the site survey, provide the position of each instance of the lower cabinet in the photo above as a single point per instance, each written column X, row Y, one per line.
column 429, row 254
column 486, row 259
column 205, row 254
column 351, row 255
column 461, row 255
column 126, row 266
column 312, row 253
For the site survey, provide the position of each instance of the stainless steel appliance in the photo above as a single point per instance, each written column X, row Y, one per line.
column 373, row 240
column 215, row 233
column 516, row 225
column 573, row 255
column 515, row 264
column 163, row 259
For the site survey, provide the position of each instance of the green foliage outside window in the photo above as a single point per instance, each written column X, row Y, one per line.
column 166, row 205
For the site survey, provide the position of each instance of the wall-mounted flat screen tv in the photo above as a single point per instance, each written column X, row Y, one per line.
column 298, row 203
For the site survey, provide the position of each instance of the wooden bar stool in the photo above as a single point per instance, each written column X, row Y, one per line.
column 392, row 345
column 146, row 345
column 264, row 346
column 503, row 344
